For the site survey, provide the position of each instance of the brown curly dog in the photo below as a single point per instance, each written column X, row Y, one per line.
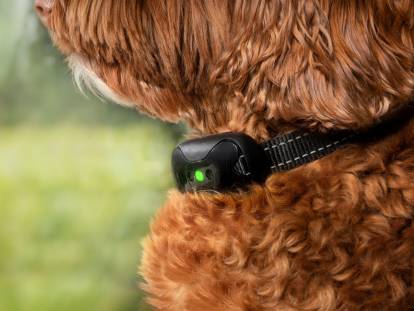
column 334, row 234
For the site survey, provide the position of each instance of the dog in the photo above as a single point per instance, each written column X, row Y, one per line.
column 333, row 234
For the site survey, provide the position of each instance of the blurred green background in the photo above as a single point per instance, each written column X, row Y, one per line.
column 79, row 181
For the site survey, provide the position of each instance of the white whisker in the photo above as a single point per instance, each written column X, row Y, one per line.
column 86, row 79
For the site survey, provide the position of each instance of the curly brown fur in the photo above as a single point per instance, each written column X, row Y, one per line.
column 336, row 234
column 247, row 65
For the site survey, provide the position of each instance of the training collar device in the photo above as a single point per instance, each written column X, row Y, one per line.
column 231, row 160
column 228, row 161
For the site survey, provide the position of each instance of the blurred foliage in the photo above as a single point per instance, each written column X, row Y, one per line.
column 74, row 204
column 79, row 181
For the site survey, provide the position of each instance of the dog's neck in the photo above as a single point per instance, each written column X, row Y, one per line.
column 262, row 130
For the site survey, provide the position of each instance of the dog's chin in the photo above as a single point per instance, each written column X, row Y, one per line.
column 86, row 79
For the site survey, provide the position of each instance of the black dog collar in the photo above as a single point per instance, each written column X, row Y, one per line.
column 230, row 160
column 221, row 162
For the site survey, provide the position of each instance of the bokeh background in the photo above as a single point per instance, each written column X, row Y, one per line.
column 80, row 180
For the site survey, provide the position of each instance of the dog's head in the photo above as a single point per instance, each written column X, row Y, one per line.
column 252, row 66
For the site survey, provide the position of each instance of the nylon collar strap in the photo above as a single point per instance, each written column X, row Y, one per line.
column 289, row 151
column 285, row 152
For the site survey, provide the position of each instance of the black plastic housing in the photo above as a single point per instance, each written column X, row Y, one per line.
column 225, row 160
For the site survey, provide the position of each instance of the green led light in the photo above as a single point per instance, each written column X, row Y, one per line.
column 199, row 176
